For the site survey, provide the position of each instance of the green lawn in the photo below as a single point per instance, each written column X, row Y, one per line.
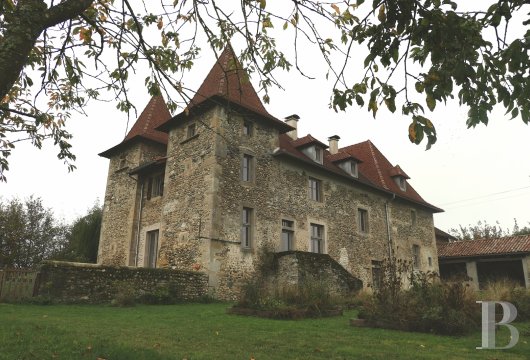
column 205, row 331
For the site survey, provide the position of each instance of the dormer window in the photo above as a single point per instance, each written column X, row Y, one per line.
column 400, row 178
column 315, row 153
column 318, row 154
column 350, row 166
column 401, row 182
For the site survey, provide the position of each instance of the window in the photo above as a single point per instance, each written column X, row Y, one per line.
column 247, row 128
column 401, row 182
column 350, row 167
column 246, row 228
column 430, row 261
column 376, row 274
column 247, row 168
column 317, row 238
column 151, row 248
column 413, row 217
column 318, row 154
column 315, row 189
column 155, row 186
column 416, row 256
column 287, row 241
column 362, row 218
column 191, row 131
column 314, row 152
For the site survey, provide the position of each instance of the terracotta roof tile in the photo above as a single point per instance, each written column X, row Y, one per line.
column 376, row 167
column 397, row 171
column 154, row 114
column 342, row 155
column 307, row 140
column 473, row 248
column 228, row 81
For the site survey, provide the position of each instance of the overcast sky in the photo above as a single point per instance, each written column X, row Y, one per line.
column 473, row 174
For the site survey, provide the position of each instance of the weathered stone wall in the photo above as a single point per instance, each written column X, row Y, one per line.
column 280, row 191
column 91, row 283
column 296, row 267
column 118, row 227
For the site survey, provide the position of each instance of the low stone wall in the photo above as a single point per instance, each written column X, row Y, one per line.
column 68, row 282
column 295, row 267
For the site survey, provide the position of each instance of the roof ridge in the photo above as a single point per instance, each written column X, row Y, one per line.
column 376, row 163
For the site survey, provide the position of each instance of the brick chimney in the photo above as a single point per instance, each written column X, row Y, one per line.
column 334, row 144
column 292, row 120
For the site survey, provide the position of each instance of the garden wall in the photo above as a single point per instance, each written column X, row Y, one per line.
column 69, row 282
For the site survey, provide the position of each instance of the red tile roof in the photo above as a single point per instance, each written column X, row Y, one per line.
column 228, row 81
column 342, row 155
column 374, row 167
column 307, row 140
column 154, row 114
column 397, row 171
column 474, row 248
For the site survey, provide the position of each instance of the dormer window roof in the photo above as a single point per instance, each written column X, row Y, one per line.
column 400, row 177
column 311, row 147
column 346, row 162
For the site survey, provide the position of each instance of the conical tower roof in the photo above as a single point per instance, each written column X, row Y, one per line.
column 227, row 81
column 153, row 115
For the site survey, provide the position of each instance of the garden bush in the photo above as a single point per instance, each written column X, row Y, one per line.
column 414, row 301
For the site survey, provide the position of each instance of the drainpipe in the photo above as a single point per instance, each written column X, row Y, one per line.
column 138, row 223
column 388, row 230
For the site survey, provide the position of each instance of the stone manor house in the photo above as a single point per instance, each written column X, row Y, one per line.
column 205, row 189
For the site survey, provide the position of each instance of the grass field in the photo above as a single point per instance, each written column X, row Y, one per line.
column 205, row 331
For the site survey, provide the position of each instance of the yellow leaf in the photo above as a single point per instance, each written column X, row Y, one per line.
column 160, row 24
column 262, row 4
column 285, row 25
column 431, row 103
column 336, row 8
column 412, row 132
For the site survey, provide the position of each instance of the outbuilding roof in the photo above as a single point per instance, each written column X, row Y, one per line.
column 474, row 248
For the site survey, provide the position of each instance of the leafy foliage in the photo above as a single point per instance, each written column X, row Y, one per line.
column 29, row 233
column 55, row 57
column 484, row 230
column 82, row 238
column 426, row 305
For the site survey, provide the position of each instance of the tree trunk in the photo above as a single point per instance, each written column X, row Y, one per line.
column 23, row 27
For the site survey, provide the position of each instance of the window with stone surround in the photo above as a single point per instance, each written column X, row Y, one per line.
column 155, row 186
column 247, row 222
column 416, row 256
column 151, row 249
column 317, row 238
column 247, row 168
column 287, row 240
column 413, row 217
column 315, row 189
column 362, row 220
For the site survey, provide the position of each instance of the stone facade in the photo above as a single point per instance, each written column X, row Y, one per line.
column 199, row 215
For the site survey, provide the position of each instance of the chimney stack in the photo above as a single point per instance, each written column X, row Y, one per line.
column 292, row 120
column 334, row 144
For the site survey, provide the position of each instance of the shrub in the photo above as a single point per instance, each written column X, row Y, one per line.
column 507, row 290
column 426, row 305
